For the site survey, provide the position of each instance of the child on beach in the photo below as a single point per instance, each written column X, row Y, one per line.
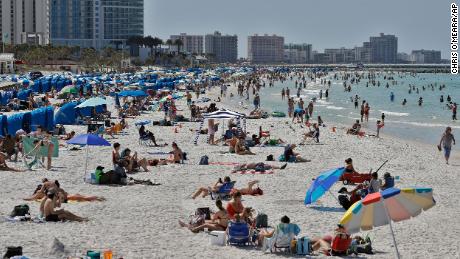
column 446, row 142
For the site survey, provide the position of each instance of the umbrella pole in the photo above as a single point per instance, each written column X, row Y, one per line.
column 86, row 160
column 392, row 233
column 329, row 191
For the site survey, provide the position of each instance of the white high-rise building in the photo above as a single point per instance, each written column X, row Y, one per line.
column 192, row 44
column 25, row 21
column 298, row 53
column 265, row 49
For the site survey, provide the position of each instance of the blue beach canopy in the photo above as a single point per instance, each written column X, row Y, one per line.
column 88, row 140
column 322, row 184
column 132, row 93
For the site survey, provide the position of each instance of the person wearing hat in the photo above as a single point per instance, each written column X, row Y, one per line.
column 50, row 214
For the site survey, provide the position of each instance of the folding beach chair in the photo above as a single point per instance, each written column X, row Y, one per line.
column 238, row 234
column 224, row 192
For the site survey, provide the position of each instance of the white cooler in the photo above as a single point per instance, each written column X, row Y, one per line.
column 217, row 238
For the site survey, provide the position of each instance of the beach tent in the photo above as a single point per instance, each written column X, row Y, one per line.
column 24, row 94
column 132, row 93
column 43, row 117
column 14, row 123
column 224, row 115
column 67, row 114
column 3, row 125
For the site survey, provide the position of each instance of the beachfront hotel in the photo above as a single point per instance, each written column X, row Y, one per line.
column 384, row 49
column 96, row 23
column 298, row 53
column 192, row 44
column 221, row 48
column 25, row 21
column 425, row 56
column 265, row 49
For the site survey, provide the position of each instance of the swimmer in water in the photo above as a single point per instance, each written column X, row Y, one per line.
column 404, row 101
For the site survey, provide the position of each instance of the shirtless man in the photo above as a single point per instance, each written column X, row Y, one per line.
column 251, row 166
column 47, row 209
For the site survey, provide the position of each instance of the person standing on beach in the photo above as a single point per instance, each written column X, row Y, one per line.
column 383, row 117
column 310, row 109
column 288, row 92
column 356, row 101
column 362, row 110
column 454, row 111
column 446, row 142
column 256, row 101
column 283, row 94
column 366, row 112
column 290, row 106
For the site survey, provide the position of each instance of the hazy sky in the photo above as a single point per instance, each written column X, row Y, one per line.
column 324, row 23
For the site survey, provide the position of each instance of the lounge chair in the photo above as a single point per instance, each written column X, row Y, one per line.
column 224, row 191
column 280, row 241
column 145, row 141
column 238, row 234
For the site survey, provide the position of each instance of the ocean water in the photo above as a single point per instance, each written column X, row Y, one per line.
column 423, row 123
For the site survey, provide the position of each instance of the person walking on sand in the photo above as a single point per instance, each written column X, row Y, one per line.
column 446, row 142
column 366, row 112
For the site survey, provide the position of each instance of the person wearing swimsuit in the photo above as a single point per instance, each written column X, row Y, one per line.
column 219, row 221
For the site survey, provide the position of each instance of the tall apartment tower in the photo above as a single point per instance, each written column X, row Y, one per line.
column 298, row 53
column 95, row 23
column 384, row 49
column 223, row 48
column 25, row 21
column 265, row 49
column 192, row 44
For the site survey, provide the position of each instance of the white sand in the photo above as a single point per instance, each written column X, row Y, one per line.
column 141, row 221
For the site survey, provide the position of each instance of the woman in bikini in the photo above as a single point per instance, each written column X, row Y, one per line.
column 204, row 191
column 63, row 196
column 219, row 221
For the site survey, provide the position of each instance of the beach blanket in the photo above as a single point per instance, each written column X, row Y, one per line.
column 23, row 219
column 224, row 163
column 28, row 143
column 159, row 153
column 254, row 172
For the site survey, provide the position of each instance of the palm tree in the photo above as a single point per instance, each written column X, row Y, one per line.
column 157, row 42
column 135, row 41
column 149, row 41
column 179, row 43
column 169, row 42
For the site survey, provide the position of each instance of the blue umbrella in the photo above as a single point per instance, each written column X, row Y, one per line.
column 322, row 184
column 88, row 140
column 92, row 102
column 132, row 93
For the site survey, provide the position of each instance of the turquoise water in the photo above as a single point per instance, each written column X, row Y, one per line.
column 418, row 123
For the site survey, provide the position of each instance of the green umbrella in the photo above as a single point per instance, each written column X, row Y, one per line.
column 69, row 90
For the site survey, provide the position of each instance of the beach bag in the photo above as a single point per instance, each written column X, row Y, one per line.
column 20, row 210
column 303, row 246
column 270, row 158
column 204, row 160
column 261, row 220
column 13, row 251
column 282, row 158
column 206, row 212
column 344, row 201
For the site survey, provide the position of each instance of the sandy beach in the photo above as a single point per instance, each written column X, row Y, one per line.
column 142, row 221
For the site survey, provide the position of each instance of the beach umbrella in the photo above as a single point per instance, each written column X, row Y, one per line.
column 69, row 90
column 132, row 93
column 88, row 140
column 92, row 102
column 381, row 208
column 322, row 184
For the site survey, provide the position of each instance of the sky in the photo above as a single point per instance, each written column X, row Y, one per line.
column 418, row 24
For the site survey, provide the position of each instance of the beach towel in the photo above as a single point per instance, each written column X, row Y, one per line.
column 28, row 143
column 159, row 153
column 23, row 219
column 224, row 163
column 254, row 172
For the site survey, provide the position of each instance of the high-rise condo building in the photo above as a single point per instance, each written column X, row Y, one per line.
column 222, row 48
column 426, row 56
column 384, row 49
column 341, row 55
column 192, row 44
column 96, row 23
column 24, row 21
column 265, row 49
column 298, row 53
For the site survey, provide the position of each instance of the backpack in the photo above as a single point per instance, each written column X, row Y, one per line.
column 261, row 220
column 20, row 210
column 204, row 160
column 344, row 201
column 303, row 246
column 13, row 251
column 270, row 158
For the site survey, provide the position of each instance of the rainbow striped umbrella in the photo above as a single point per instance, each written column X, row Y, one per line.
column 378, row 209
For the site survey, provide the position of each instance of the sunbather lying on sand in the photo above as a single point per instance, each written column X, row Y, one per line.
column 204, row 191
column 47, row 209
column 293, row 157
column 256, row 166
column 219, row 221
column 63, row 196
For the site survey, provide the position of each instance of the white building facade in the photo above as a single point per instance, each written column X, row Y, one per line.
column 192, row 44
column 265, row 49
column 25, row 21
